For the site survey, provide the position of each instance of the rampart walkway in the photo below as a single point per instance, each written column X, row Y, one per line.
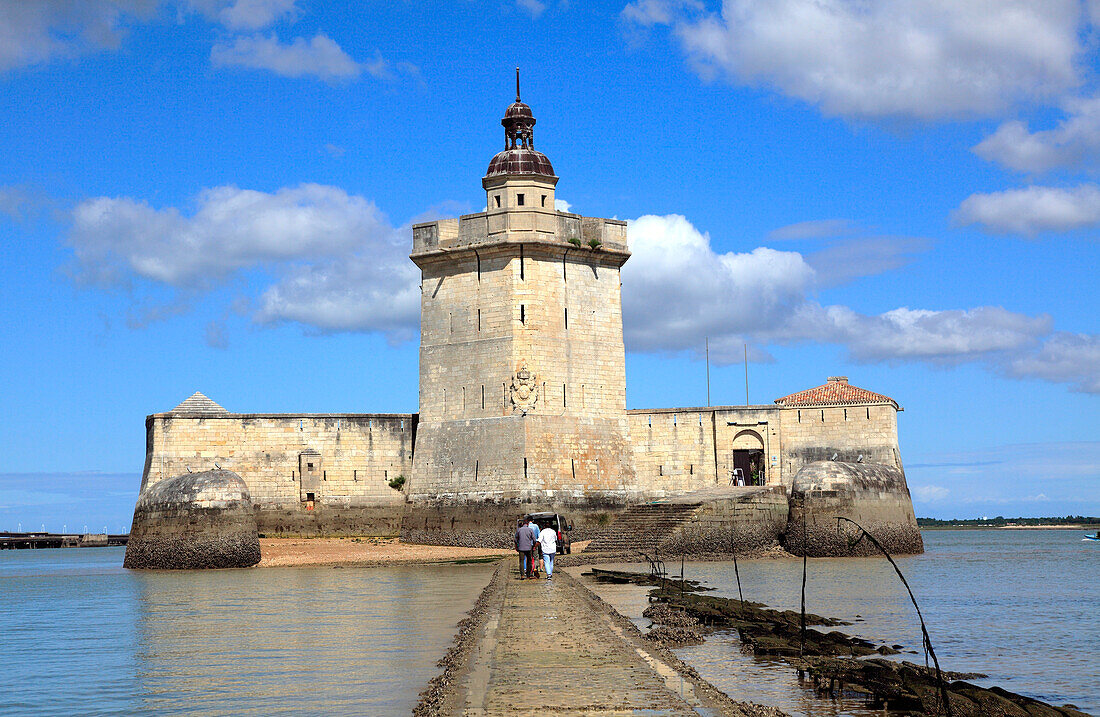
column 553, row 648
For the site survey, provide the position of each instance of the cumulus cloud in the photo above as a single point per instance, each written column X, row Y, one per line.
column 229, row 230
column 368, row 291
column 1063, row 358
column 1073, row 144
column 39, row 31
column 340, row 265
column 1032, row 210
column 244, row 14
column 561, row 205
column 906, row 59
column 904, row 334
column 319, row 57
column 677, row 289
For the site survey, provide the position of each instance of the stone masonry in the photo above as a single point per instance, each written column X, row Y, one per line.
column 522, row 397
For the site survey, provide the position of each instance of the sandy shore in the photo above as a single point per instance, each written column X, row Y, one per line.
column 279, row 552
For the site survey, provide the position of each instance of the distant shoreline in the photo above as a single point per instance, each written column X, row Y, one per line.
column 1085, row 527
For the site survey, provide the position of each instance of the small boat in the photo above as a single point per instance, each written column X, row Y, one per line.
column 1092, row 537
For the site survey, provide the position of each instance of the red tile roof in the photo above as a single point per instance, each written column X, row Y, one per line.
column 835, row 392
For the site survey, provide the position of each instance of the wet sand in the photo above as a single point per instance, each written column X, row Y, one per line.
column 281, row 552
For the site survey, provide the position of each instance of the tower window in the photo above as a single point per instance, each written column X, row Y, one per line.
column 479, row 320
column 522, row 314
column 497, row 198
column 544, row 200
column 519, row 200
column 567, row 319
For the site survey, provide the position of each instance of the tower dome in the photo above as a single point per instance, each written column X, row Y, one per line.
column 519, row 155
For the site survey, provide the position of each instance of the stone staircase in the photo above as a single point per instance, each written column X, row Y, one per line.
column 640, row 529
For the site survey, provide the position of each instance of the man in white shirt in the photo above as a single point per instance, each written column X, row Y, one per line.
column 548, row 542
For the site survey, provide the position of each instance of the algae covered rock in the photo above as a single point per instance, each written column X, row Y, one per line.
column 194, row 521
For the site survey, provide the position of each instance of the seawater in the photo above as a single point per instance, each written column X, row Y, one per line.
column 83, row 636
column 1017, row 605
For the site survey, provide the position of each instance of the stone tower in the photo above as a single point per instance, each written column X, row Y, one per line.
column 522, row 378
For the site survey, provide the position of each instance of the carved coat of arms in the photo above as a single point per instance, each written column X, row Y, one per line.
column 525, row 390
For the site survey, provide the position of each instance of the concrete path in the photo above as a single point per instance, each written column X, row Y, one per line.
column 552, row 648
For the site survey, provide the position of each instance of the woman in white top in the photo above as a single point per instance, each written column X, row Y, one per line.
column 548, row 541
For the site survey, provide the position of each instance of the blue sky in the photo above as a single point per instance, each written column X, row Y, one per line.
column 216, row 195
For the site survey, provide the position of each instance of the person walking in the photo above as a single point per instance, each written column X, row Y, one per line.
column 524, row 544
column 548, row 541
column 534, row 548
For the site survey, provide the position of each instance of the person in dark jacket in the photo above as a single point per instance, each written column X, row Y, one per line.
column 525, row 542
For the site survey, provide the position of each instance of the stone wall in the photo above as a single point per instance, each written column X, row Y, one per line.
column 353, row 458
column 816, row 434
column 522, row 368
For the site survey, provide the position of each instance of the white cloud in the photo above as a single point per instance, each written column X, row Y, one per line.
column 215, row 335
column 1074, row 144
column 244, row 14
column 534, row 8
column 374, row 290
column 906, row 59
column 342, row 266
column 1032, row 210
column 929, row 493
column 561, row 205
column 817, row 229
column 319, row 56
column 847, row 260
column 230, row 229
column 677, row 290
column 36, row 31
column 1063, row 358
column 13, row 201
column 948, row 336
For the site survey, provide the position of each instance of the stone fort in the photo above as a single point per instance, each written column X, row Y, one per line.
column 523, row 408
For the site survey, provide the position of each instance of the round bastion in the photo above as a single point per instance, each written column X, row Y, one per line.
column 871, row 494
column 194, row 521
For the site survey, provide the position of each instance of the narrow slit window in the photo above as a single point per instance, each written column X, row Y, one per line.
column 567, row 319
column 519, row 200
column 522, row 313
column 845, row 414
column 868, row 413
column 479, row 320
column 823, row 415
column 521, row 263
column 563, row 395
column 483, row 397
column 800, row 416
column 525, row 468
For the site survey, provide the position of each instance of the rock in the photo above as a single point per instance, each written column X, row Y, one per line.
column 194, row 521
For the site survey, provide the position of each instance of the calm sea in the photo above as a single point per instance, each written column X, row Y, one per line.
column 83, row 636
column 1018, row 605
